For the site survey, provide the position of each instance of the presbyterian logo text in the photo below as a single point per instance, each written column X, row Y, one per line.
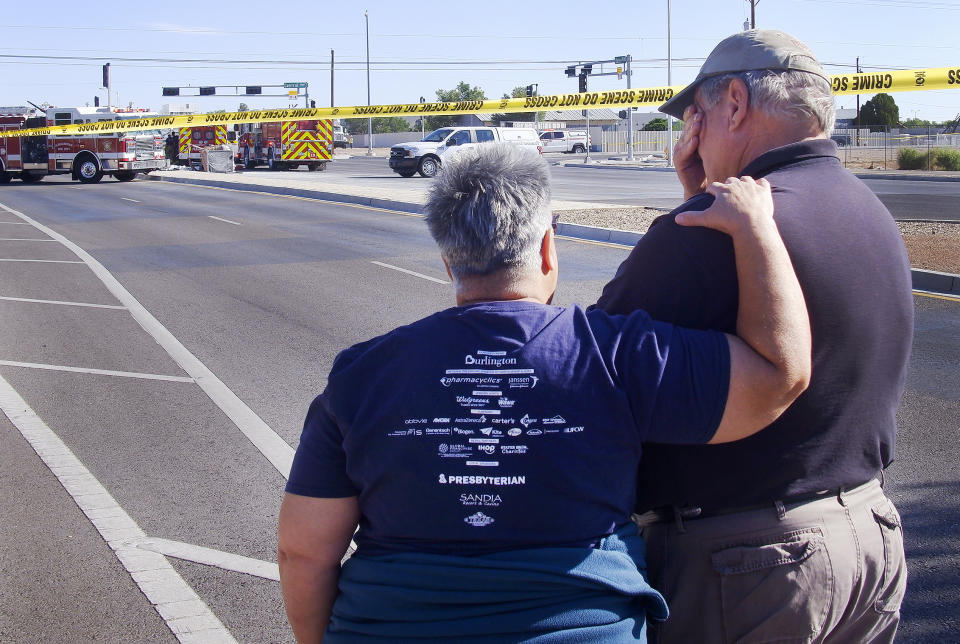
column 482, row 480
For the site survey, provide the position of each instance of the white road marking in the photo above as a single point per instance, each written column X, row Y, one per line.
column 267, row 441
column 129, row 199
column 15, row 223
column 22, row 239
column 96, row 372
column 226, row 221
column 95, row 306
column 43, row 261
column 408, row 272
column 209, row 557
column 187, row 616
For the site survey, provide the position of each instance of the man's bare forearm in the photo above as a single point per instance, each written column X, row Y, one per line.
column 772, row 317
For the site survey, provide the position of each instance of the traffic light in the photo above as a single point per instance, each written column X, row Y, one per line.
column 588, row 69
column 622, row 114
column 254, row 89
column 106, row 75
column 571, row 71
column 583, row 83
column 529, row 91
column 208, row 91
column 171, row 91
column 313, row 104
column 96, row 101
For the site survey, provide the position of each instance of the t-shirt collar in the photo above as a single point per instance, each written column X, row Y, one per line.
column 790, row 153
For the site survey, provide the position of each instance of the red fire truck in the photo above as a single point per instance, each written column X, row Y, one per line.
column 86, row 156
column 194, row 139
column 286, row 144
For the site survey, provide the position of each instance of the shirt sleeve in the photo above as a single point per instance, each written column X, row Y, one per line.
column 320, row 463
column 676, row 379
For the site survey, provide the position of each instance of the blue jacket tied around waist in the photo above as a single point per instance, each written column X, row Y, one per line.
column 542, row 595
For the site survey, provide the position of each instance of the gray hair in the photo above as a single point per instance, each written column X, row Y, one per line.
column 782, row 94
column 489, row 207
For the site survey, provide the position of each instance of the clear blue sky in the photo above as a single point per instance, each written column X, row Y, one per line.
column 494, row 44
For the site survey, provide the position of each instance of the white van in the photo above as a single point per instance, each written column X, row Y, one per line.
column 424, row 156
column 564, row 141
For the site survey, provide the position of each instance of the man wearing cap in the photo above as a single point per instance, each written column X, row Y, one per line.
column 786, row 535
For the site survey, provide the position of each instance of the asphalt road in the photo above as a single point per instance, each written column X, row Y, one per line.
column 264, row 291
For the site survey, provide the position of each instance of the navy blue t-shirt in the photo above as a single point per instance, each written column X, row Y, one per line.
column 852, row 265
column 505, row 425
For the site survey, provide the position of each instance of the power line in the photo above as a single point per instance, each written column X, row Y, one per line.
column 899, row 4
column 320, row 64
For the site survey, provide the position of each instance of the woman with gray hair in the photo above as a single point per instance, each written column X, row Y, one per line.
column 489, row 452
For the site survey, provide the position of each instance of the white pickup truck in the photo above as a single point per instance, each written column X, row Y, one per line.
column 424, row 156
column 564, row 141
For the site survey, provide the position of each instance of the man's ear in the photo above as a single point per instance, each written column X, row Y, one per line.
column 447, row 266
column 739, row 102
column 548, row 252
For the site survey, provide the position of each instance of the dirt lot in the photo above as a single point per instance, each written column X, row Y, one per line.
column 931, row 246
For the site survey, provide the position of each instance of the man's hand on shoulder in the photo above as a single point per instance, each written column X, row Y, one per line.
column 739, row 207
column 686, row 159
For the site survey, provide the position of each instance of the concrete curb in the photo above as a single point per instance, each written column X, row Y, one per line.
column 594, row 233
column 607, row 166
column 944, row 283
column 906, row 177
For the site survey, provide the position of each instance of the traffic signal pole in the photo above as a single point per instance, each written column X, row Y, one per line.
column 629, row 116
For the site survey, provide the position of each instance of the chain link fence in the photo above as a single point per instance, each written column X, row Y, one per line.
column 898, row 148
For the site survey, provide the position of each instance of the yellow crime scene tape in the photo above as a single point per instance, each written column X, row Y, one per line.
column 890, row 81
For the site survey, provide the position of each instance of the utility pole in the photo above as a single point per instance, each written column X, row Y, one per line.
column 669, row 82
column 629, row 113
column 753, row 13
column 858, row 105
column 366, row 17
column 584, row 74
column 331, row 78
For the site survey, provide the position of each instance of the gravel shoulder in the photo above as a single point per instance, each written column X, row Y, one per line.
column 931, row 246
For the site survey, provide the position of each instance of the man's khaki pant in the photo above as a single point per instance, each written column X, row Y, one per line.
column 829, row 570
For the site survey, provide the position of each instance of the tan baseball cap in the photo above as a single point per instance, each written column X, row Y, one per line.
column 747, row 51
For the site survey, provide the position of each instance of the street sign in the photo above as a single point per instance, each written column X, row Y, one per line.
column 294, row 85
column 620, row 60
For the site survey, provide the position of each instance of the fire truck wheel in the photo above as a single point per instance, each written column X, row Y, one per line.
column 125, row 175
column 88, row 171
column 26, row 177
column 5, row 176
column 317, row 167
column 429, row 167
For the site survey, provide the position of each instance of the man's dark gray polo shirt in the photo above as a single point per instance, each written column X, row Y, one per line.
column 855, row 275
